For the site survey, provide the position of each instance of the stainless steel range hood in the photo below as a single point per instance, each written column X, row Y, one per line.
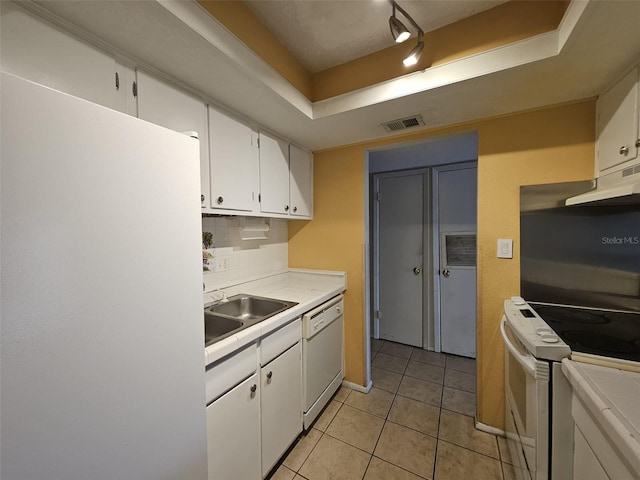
column 620, row 194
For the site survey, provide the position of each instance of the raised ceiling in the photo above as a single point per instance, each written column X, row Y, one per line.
column 594, row 44
column 323, row 34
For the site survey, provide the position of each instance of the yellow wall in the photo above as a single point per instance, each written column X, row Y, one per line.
column 240, row 20
column 501, row 25
column 548, row 145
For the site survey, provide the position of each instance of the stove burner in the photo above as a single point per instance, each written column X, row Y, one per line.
column 562, row 315
column 599, row 342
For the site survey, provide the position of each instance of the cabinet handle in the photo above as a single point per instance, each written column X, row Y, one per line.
column 638, row 143
column 253, row 388
column 269, row 375
column 220, row 200
column 295, row 209
column 624, row 150
column 286, row 208
column 202, row 197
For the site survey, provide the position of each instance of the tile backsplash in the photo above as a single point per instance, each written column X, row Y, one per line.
column 237, row 256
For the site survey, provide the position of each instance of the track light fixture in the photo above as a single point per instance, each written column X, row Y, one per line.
column 400, row 33
column 414, row 54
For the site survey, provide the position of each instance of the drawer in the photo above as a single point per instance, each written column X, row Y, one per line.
column 228, row 372
column 277, row 342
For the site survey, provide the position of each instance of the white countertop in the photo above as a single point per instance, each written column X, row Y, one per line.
column 613, row 398
column 309, row 288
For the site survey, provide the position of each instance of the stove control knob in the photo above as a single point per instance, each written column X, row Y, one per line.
column 549, row 338
column 518, row 300
column 543, row 330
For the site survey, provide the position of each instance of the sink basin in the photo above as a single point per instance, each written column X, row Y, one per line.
column 239, row 312
column 217, row 327
column 249, row 307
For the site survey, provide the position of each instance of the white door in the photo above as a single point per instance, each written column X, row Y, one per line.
column 170, row 107
column 617, row 123
column 301, row 182
column 400, row 207
column 281, row 405
column 233, row 433
column 38, row 51
column 456, row 211
column 234, row 163
column 274, row 175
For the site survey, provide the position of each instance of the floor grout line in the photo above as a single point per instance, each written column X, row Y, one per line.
column 385, row 419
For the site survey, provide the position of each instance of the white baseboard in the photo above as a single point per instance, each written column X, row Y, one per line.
column 356, row 387
column 488, row 428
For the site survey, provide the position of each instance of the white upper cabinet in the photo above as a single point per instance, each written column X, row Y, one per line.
column 40, row 52
column 301, row 182
column 234, row 163
column 170, row 107
column 126, row 89
column 274, row 175
column 617, row 125
column 241, row 172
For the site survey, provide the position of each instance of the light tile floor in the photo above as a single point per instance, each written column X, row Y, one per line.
column 415, row 423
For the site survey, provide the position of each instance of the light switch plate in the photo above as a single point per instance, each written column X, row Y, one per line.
column 505, row 248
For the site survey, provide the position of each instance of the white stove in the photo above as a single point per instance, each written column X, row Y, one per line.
column 535, row 388
column 532, row 331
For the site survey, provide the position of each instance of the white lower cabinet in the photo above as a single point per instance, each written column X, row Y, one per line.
column 585, row 463
column 233, row 433
column 281, row 405
column 251, row 422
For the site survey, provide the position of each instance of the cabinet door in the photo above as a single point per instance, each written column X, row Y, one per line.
column 281, row 399
column 234, row 163
column 170, row 107
column 301, row 182
column 618, row 124
column 585, row 463
column 233, row 433
column 274, row 175
column 38, row 51
column 126, row 100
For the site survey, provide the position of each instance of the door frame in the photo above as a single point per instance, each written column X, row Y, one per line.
column 436, row 242
column 427, row 259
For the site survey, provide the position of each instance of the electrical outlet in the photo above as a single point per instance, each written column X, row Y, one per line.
column 222, row 263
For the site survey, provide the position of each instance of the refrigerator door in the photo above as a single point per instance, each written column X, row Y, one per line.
column 102, row 330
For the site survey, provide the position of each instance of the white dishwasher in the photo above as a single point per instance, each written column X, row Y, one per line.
column 322, row 356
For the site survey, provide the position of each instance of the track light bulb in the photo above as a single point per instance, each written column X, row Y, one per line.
column 399, row 32
column 414, row 55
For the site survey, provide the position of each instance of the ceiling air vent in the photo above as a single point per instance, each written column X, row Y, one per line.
column 403, row 123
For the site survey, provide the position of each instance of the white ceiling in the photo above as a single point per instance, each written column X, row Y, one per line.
column 322, row 34
column 598, row 40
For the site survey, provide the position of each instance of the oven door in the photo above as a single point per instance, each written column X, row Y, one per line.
column 527, row 406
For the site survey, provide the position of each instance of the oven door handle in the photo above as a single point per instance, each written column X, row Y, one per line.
column 527, row 361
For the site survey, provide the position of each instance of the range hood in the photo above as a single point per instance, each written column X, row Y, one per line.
column 617, row 188
column 621, row 194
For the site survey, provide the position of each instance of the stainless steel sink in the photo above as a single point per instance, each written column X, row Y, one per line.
column 237, row 313
column 249, row 307
column 217, row 327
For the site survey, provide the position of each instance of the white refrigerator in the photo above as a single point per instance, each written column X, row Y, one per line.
column 102, row 342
